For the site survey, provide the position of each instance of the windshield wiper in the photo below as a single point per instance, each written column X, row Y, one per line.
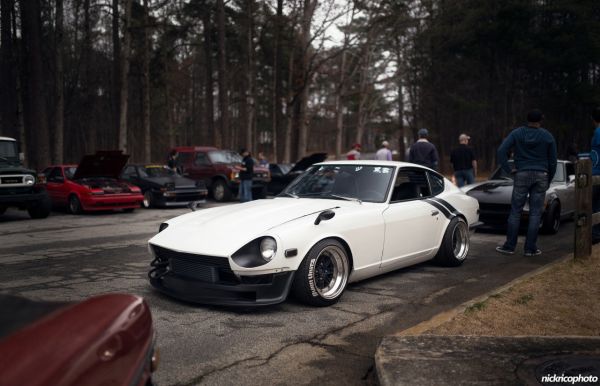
column 346, row 198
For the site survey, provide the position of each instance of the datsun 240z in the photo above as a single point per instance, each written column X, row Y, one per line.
column 339, row 222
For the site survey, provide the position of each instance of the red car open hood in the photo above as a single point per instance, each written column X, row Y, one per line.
column 102, row 164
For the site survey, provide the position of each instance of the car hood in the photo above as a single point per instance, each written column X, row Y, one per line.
column 492, row 191
column 178, row 182
column 222, row 231
column 14, row 169
column 308, row 161
column 102, row 164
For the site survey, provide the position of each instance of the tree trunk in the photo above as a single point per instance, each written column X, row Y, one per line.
column 90, row 136
column 339, row 108
column 223, row 135
column 116, row 76
column 250, row 91
column 209, row 84
column 146, row 88
column 289, row 111
column 36, row 115
column 276, row 117
column 124, row 96
column 59, row 107
column 9, row 107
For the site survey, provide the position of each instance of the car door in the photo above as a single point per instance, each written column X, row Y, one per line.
column 55, row 185
column 131, row 175
column 202, row 168
column 412, row 225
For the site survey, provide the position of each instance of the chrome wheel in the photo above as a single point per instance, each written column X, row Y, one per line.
column 330, row 272
column 460, row 241
column 147, row 202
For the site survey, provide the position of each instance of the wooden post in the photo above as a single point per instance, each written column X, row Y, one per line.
column 583, row 209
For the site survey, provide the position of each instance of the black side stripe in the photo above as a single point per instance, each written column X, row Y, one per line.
column 439, row 206
column 452, row 209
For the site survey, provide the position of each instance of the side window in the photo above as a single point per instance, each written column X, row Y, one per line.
column 436, row 182
column 570, row 170
column 56, row 175
column 410, row 184
column 201, row 159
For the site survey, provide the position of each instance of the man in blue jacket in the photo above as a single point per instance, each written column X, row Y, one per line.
column 595, row 154
column 535, row 164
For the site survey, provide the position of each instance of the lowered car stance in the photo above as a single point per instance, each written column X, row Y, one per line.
column 494, row 198
column 163, row 187
column 104, row 340
column 337, row 223
column 93, row 185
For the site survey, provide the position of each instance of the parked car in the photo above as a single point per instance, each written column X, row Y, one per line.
column 93, row 185
column 104, row 340
column 21, row 187
column 494, row 198
column 219, row 169
column 339, row 222
column 163, row 187
column 282, row 176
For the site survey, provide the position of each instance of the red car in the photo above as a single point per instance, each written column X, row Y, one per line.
column 93, row 185
column 105, row 340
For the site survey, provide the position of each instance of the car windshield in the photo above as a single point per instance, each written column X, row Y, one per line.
column 156, row 171
column 224, row 157
column 500, row 174
column 8, row 152
column 351, row 182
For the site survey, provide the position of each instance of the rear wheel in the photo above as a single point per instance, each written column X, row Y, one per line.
column 40, row 208
column 455, row 244
column 220, row 191
column 74, row 205
column 551, row 222
column 323, row 274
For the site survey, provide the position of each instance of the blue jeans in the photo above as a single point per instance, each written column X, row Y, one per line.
column 533, row 184
column 245, row 190
column 595, row 209
column 464, row 177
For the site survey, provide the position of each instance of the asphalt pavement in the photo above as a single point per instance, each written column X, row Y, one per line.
column 68, row 258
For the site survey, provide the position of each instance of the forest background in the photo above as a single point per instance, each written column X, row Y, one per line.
column 292, row 77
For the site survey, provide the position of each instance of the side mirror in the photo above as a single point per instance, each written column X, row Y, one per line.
column 324, row 216
column 22, row 157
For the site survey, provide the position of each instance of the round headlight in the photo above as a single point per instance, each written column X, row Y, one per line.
column 29, row 179
column 268, row 247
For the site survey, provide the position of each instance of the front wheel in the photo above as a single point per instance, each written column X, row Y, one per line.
column 551, row 222
column 455, row 244
column 323, row 274
column 74, row 205
column 220, row 191
column 40, row 209
column 148, row 200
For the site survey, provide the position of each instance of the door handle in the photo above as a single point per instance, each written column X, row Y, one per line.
column 435, row 212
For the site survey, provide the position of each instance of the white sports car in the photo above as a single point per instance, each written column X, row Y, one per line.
column 339, row 222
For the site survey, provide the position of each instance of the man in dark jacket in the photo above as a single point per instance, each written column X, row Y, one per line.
column 464, row 162
column 246, row 173
column 424, row 152
column 535, row 165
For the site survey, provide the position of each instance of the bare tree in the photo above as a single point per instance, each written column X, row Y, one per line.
column 59, row 98
column 9, row 107
column 124, row 99
column 223, row 136
column 209, row 83
column 146, row 87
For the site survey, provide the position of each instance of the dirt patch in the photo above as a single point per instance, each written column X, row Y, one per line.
column 564, row 300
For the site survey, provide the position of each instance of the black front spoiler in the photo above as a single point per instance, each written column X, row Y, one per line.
column 250, row 295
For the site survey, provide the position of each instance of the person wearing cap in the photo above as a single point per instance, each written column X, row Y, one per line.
column 246, row 173
column 464, row 162
column 424, row 152
column 595, row 155
column 535, row 165
column 354, row 154
column 384, row 153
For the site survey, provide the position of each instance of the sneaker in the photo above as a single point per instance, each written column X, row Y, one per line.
column 504, row 251
column 537, row 252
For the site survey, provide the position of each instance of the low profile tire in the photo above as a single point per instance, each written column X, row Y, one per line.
column 148, row 201
column 74, row 205
column 220, row 191
column 40, row 209
column 455, row 244
column 551, row 221
column 322, row 277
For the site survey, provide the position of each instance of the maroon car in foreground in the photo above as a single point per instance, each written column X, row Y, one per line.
column 105, row 340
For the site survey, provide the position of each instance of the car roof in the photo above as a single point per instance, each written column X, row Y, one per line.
column 374, row 163
column 191, row 149
column 7, row 139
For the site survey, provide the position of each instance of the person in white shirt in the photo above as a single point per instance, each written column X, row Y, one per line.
column 384, row 154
